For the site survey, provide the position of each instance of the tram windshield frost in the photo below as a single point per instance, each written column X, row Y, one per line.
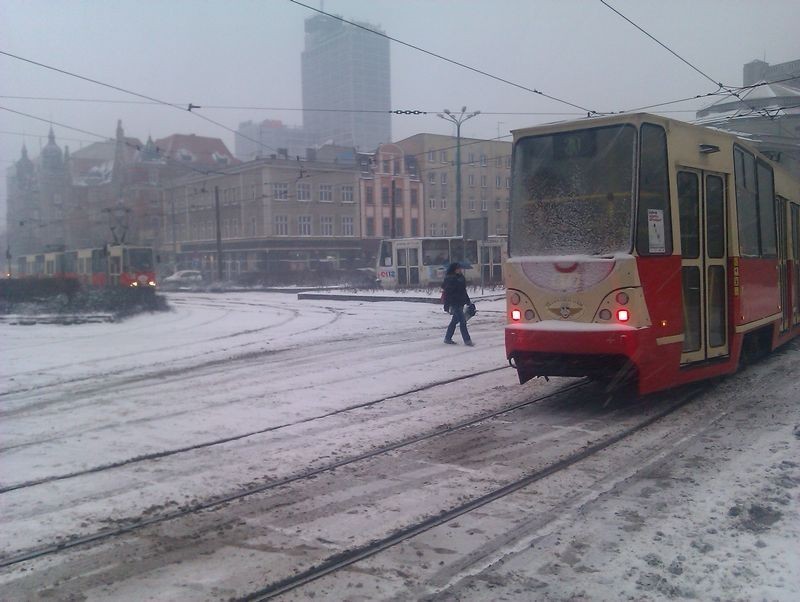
column 573, row 192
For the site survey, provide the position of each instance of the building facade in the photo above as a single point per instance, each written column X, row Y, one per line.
column 485, row 183
column 391, row 194
column 344, row 69
column 277, row 217
column 108, row 192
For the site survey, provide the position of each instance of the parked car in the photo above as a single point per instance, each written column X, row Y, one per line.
column 182, row 278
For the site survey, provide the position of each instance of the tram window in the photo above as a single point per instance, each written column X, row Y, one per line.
column 435, row 252
column 386, row 254
column 466, row 251
column 715, row 220
column 766, row 210
column 716, row 305
column 116, row 264
column 746, row 208
column 654, row 229
column 691, row 308
column 795, row 232
column 688, row 208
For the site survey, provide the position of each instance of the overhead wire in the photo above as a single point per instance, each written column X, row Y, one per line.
column 189, row 108
column 444, row 58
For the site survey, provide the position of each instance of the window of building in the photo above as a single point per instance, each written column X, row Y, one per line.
column 326, row 193
column 483, row 181
column 443, row 178
column 483, row 160
column 303, row 191
column 370, row 226
column 347, row 226
column 471, row 180
column 472, row 158
column 471, row 204
column 431, row 155
column 414, row 199
column 387, row 227
column 370, row 195
column 280, row 191
column 444, row 203
column 498, row 162
column 498, row 182
column 347, row 194
column 399, row 227
column 281, row 225
column 508, row 183
column 443, row 156
column 304, row 225
column 431, row 177
column 385, row 195
column 432, row 229
column 443, row 230
column 432, row 203
column 414, row 227
column 484, row 205
column 396, row 167
column 326, row 225
column 508, row 162
column 497, row 205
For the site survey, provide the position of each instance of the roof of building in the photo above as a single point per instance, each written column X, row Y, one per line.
column 779, row 98
column 196, row 150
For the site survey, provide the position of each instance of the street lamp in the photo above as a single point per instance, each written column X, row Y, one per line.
column 458, row 119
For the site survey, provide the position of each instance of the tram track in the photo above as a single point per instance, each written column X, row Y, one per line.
column 142, row 521
column 294, row 314
column 353, row 555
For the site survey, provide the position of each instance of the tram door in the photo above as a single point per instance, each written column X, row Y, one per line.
column 783, row 268
column 408, row 266
column 701, row 204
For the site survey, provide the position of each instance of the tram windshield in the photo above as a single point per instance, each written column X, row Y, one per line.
column 573, row 192
column 139, row 260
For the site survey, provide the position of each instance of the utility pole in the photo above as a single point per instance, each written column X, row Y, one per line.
column 219, row 234
column 458, row 119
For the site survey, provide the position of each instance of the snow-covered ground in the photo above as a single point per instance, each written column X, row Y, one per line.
column 106, row 424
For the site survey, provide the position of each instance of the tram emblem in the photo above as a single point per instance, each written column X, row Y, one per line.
column 565, row 309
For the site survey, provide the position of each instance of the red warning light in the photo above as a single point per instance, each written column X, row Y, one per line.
column 516, row 315
column 623, row 315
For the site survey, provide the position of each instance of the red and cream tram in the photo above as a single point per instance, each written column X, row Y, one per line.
column 123, row 266
column 650, row 249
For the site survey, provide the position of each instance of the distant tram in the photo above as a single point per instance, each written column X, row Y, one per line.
column 423, row 261
column 110, row 266
column 647, row 249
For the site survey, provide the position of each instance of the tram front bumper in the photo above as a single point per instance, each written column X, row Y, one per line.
column 552, row 348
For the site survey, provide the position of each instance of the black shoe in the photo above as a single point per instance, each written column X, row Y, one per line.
column 469, row 343
column 450, row 342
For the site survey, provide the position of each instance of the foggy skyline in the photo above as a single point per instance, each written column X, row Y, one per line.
column 248, row 54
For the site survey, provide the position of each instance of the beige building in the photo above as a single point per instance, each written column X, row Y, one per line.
column 389, row 179
column 276, row 216
column 485, row 183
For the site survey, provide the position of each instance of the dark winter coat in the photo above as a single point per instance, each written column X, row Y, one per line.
column 455, row 291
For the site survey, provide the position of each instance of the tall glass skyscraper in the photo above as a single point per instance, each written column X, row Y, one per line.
column 345, row 67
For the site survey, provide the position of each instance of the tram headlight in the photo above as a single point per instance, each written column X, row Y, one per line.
column 623, row 315
column 152, row 283
column 516, row 315
column 134, row 283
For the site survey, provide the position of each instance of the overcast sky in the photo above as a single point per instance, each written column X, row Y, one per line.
column 247, row 53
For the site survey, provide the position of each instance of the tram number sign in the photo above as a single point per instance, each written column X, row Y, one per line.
column 571, row 145
column 387, row 274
